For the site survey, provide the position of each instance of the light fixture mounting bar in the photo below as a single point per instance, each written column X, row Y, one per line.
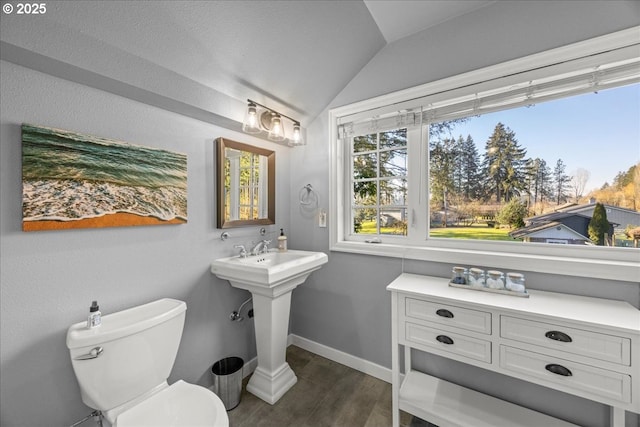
column 274, row 111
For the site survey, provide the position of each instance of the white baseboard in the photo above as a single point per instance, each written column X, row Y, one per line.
column 341, row 357
column 330, row 353
column 249, row 367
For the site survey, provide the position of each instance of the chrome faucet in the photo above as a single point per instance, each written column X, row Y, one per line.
column 243, row 250
column 261, row 247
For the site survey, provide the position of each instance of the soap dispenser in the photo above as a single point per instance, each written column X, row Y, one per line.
column 95, row 316
column 282, row 241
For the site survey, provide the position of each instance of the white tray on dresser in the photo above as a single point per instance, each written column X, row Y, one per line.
column 524, row 294
column 588, row 347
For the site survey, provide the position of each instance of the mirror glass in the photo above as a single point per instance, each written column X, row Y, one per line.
column 246, row 190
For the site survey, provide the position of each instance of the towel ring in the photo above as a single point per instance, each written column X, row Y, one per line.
column 306, row 194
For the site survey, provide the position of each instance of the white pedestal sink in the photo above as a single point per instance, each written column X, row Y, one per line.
column 270, row 278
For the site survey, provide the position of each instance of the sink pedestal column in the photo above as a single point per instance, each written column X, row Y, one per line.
column 270, row 277
column 273, row 377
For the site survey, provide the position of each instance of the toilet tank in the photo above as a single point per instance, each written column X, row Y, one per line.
column 139, row 347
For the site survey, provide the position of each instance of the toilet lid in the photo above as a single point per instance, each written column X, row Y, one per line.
column 180, row 405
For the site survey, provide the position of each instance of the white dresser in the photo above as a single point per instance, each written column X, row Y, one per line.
column 588, row 347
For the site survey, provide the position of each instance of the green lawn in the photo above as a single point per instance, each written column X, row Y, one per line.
column 474, row 232
column 480, row 232
column 369, row 227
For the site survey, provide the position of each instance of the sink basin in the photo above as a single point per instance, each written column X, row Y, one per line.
column 270, row 272
column 270, row 278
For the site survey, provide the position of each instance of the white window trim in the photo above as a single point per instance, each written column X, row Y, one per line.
column 605, row 263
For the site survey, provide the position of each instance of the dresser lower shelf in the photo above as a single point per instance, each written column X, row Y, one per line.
column 446, row 404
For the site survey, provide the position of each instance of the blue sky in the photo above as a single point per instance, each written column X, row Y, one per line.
column 598, row 132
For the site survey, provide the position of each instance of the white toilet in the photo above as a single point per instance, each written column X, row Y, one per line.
column 122, row 368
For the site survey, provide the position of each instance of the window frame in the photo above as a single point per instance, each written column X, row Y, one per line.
column 379, row 207
column 605, row 263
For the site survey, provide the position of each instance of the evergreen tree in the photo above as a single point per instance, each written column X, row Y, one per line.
column 504, row 164
column 599, row 225
column 512, row 214
column 385, row 163
column 441, row 167
column 454, row 169
column 393, row 163
column 365, row 168
column 561, row 182
column 457, row 153
column 623, row 179
column 530, row 173
column 442, row 159
column 543, row 181
column 538, row 182
column 470, row 165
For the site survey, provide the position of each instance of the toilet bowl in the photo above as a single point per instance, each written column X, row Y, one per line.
column 180, row 404
column 122, row 368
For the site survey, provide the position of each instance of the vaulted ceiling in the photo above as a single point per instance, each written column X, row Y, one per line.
column 295, row 56
column 398, row 19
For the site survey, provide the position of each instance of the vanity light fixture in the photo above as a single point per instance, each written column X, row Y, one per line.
column 297, row 136
column 251, row 124
column 276, row 131
column 271, row 121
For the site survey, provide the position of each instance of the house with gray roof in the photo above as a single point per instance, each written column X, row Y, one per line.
column 569, row 223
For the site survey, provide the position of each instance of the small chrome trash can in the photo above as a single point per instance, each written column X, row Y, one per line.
column 227, row 380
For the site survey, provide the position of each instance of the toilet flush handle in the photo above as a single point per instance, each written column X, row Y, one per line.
column 95, row 352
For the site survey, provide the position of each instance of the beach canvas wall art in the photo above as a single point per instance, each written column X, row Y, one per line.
column 71, row 180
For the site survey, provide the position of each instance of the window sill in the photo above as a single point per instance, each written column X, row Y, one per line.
column 623, row 270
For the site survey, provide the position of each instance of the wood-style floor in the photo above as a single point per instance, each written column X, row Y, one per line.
column 327, row 394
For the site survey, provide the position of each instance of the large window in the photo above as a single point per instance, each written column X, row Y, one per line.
column 500, row 166
column 535, row 173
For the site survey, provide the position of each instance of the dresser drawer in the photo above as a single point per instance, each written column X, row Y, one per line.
column 472, row 320
column 449, row 342
column 566, row 375
column 599, row 346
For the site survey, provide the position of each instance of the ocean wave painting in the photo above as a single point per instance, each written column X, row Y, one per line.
column 70, row 180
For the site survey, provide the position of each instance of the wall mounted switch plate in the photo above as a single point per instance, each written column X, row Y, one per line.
column 322, row 219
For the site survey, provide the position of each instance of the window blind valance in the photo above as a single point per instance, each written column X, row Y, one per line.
column 592, row 73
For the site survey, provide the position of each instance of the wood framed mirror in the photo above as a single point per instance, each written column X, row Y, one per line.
column 246, row 184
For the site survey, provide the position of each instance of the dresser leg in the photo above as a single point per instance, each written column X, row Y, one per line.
column 617, row 417
column 395, row 363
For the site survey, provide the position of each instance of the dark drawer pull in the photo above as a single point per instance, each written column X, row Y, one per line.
column 444, row 313
column 558, row 336
column 444, row 339
column 558, row 370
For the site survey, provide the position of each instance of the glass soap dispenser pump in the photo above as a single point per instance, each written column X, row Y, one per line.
column 282, row 241
column 95, row 316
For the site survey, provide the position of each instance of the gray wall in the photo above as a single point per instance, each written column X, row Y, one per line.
column 49, row 278
column 345, row 305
